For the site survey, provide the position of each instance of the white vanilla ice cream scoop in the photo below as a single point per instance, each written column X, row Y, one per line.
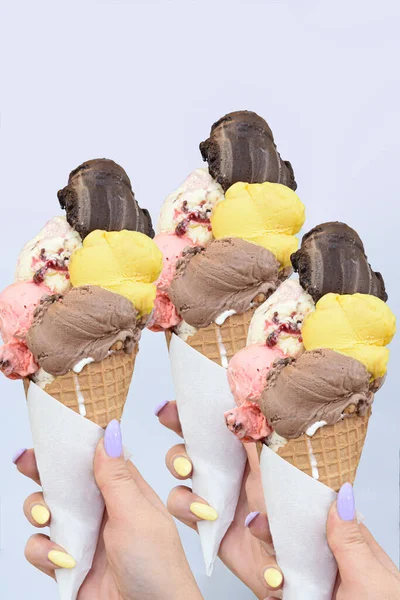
column 45, row 258
column 278, row 321
column 187, row 211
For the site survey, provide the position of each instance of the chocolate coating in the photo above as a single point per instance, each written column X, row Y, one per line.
column 332, row 259
column 99, row 196
column 241, row 147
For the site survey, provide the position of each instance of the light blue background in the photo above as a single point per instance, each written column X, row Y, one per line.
column 141, row 82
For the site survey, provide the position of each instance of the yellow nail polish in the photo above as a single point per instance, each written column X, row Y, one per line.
column 273, row 577
column 203, row 511
column 182, row 466
column 61, row 559
column 40, row 514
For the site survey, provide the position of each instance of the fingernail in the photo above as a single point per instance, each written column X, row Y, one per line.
column 182, row 466
column 203, row 511
column 113, row 439
column 61, row 559
column 40, row 514
column 346, row 503
column 273, row 577
column 250, row 518
column 160, row 406
column 18, row 455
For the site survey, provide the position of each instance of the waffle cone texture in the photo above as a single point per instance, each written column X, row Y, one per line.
column 335, row 451
column 103, row 386
column 232, row 335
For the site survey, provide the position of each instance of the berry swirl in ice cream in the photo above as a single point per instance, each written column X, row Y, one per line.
column 226, row 276
column 45, row 258
column 241, row 147
column 187, row 211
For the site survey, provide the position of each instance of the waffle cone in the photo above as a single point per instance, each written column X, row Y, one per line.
column 233, row 336
column 336, row 448
column 104, row 386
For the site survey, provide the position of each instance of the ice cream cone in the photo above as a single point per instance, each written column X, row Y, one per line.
column 332, row 453
column 220, row 342
column 99, row 391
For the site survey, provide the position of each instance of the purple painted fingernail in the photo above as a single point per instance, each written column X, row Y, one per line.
column 18, row 454
column 250, row 518
column 160, row 406
column 113, row 439
column 346, row 503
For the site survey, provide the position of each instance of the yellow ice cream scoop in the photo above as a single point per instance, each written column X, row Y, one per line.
column 358, row 325
column 267, row 214
column 124, row 262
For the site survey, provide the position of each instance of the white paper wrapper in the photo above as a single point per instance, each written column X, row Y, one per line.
column 64, row 445
column 203, row 396
column 297, row 508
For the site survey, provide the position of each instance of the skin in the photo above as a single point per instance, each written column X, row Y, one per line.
column 365, row 571
column 137, row 532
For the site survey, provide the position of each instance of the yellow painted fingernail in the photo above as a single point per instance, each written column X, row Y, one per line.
column 203, row 511
column 40, row 514
column 61, row 559
column 273, row 577
column 182, row 466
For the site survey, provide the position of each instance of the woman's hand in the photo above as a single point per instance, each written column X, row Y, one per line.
column 365, row 571
column 250, row 559
column 139, row 553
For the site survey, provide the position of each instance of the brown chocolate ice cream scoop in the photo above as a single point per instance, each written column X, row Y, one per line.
column 99, row 196
column 319, row 388
column 225, row 276
column 83, row 324
column 332, row 259
column 241, row 147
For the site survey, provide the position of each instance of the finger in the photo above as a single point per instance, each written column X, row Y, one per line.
column 345, row 537
column 168, row 416
column 258, row 526
column 121, row 494
column 26, row 464
column 378, row 552
column 273, row 576
column 47, row 556
column 36, row 510
column 189, row 508
column 178, row 462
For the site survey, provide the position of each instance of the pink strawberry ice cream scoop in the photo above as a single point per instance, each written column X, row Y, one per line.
column 248, row 370
column 247, row 422
column 164, row 313
column 16, row 361
column 171, row 246
column 17, row 304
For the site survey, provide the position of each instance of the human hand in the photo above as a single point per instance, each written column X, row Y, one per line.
column 139, row 553
column 365, row 570
column 249, row 557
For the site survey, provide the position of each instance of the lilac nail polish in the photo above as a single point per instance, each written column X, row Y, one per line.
column 160, row 406
column 18, row 454
column 250, row 517
column 113, row 439
column 346, row 503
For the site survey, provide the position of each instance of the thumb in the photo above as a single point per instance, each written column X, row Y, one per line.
column 345, row 537
column 113, row 477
